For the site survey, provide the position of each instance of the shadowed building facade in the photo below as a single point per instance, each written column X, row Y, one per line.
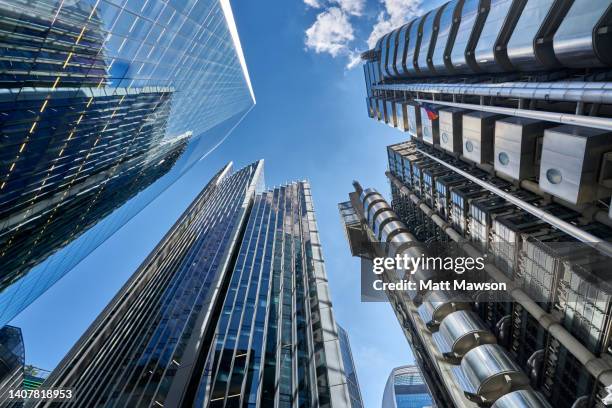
column 231, row 309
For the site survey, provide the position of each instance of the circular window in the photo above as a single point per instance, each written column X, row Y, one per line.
column 554, row 176
column 445, row 137
column 469, row 146
column 503, row 158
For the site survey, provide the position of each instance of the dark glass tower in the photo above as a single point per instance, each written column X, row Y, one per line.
column 231, row 309
column 349, row 368
column 12, row 359
column 98, row 102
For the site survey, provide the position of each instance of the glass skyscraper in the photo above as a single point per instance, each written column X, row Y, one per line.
column 12, row 359
column 406, row 389
column 103, row 104
column 231, row 309
column 349, row 368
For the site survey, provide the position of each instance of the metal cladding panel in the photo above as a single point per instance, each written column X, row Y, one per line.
column 478, row 136
column 448, row 26
column 571, row 158
column 414, row 43
column 490, row 51
column 583, row 38
column 381, row 115
column 390, row 113
column 400, row 55
column 390, row 62
column 414, row 120
column 430, row 128
column 462, row 331
column 371, row 107
column 491, row 372
column 401, row 114
column 462, row 55
column 451, row 129
column 516, row 141
column 428, row 40
column 522, row 399
column 521, row 48
column 384, row 52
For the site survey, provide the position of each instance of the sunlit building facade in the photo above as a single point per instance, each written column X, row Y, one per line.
column 102, row 106
column 507, row 109
column 231, row 309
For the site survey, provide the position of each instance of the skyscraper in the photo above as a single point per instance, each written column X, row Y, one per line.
column 100, row 101
column 508, row 111
column 12, row 360
column 405, row 388
column 231, row 309
column 350, row 369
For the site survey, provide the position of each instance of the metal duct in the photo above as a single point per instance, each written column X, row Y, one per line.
column 487, row 373
column 438, row 304
column 460, row 332
column 571, row 91
column 522, row 399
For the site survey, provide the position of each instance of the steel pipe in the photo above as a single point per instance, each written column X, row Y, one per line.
column 571, row 91
column 563, row 118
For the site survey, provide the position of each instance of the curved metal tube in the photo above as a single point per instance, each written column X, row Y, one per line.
column 572, row 91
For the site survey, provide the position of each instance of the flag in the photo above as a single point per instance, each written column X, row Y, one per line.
column 432, row 112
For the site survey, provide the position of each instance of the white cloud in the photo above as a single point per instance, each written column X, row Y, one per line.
column 396, row 13
column 313, row 3
column 353, row 7
column 330, row 33
column 354, row 59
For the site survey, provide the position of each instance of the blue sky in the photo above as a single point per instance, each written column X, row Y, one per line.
column 310, row 122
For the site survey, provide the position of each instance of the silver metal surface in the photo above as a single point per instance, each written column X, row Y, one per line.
column 430, row 128
column 414, row 120
column 490, row 49
column 448, row 26
column 571, row 159
column 460, row 332
column 428, row 40
column 401, row 115
column 570, row 229
column 462, row 54
column 491, row 372
column 516, row 145
column 521, row 48
column 478, row 136
column 570, row 91
column 451, row 129
column 522, row 399
column 563, row 118
column 414, row 43
column 583, row 38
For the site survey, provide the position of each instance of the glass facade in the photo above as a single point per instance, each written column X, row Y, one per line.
column 276, row 343
column 103, row 104
column 406, row 389
column 144, row 346
column 349, row 369
column 230, row 309
column 12, row 359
